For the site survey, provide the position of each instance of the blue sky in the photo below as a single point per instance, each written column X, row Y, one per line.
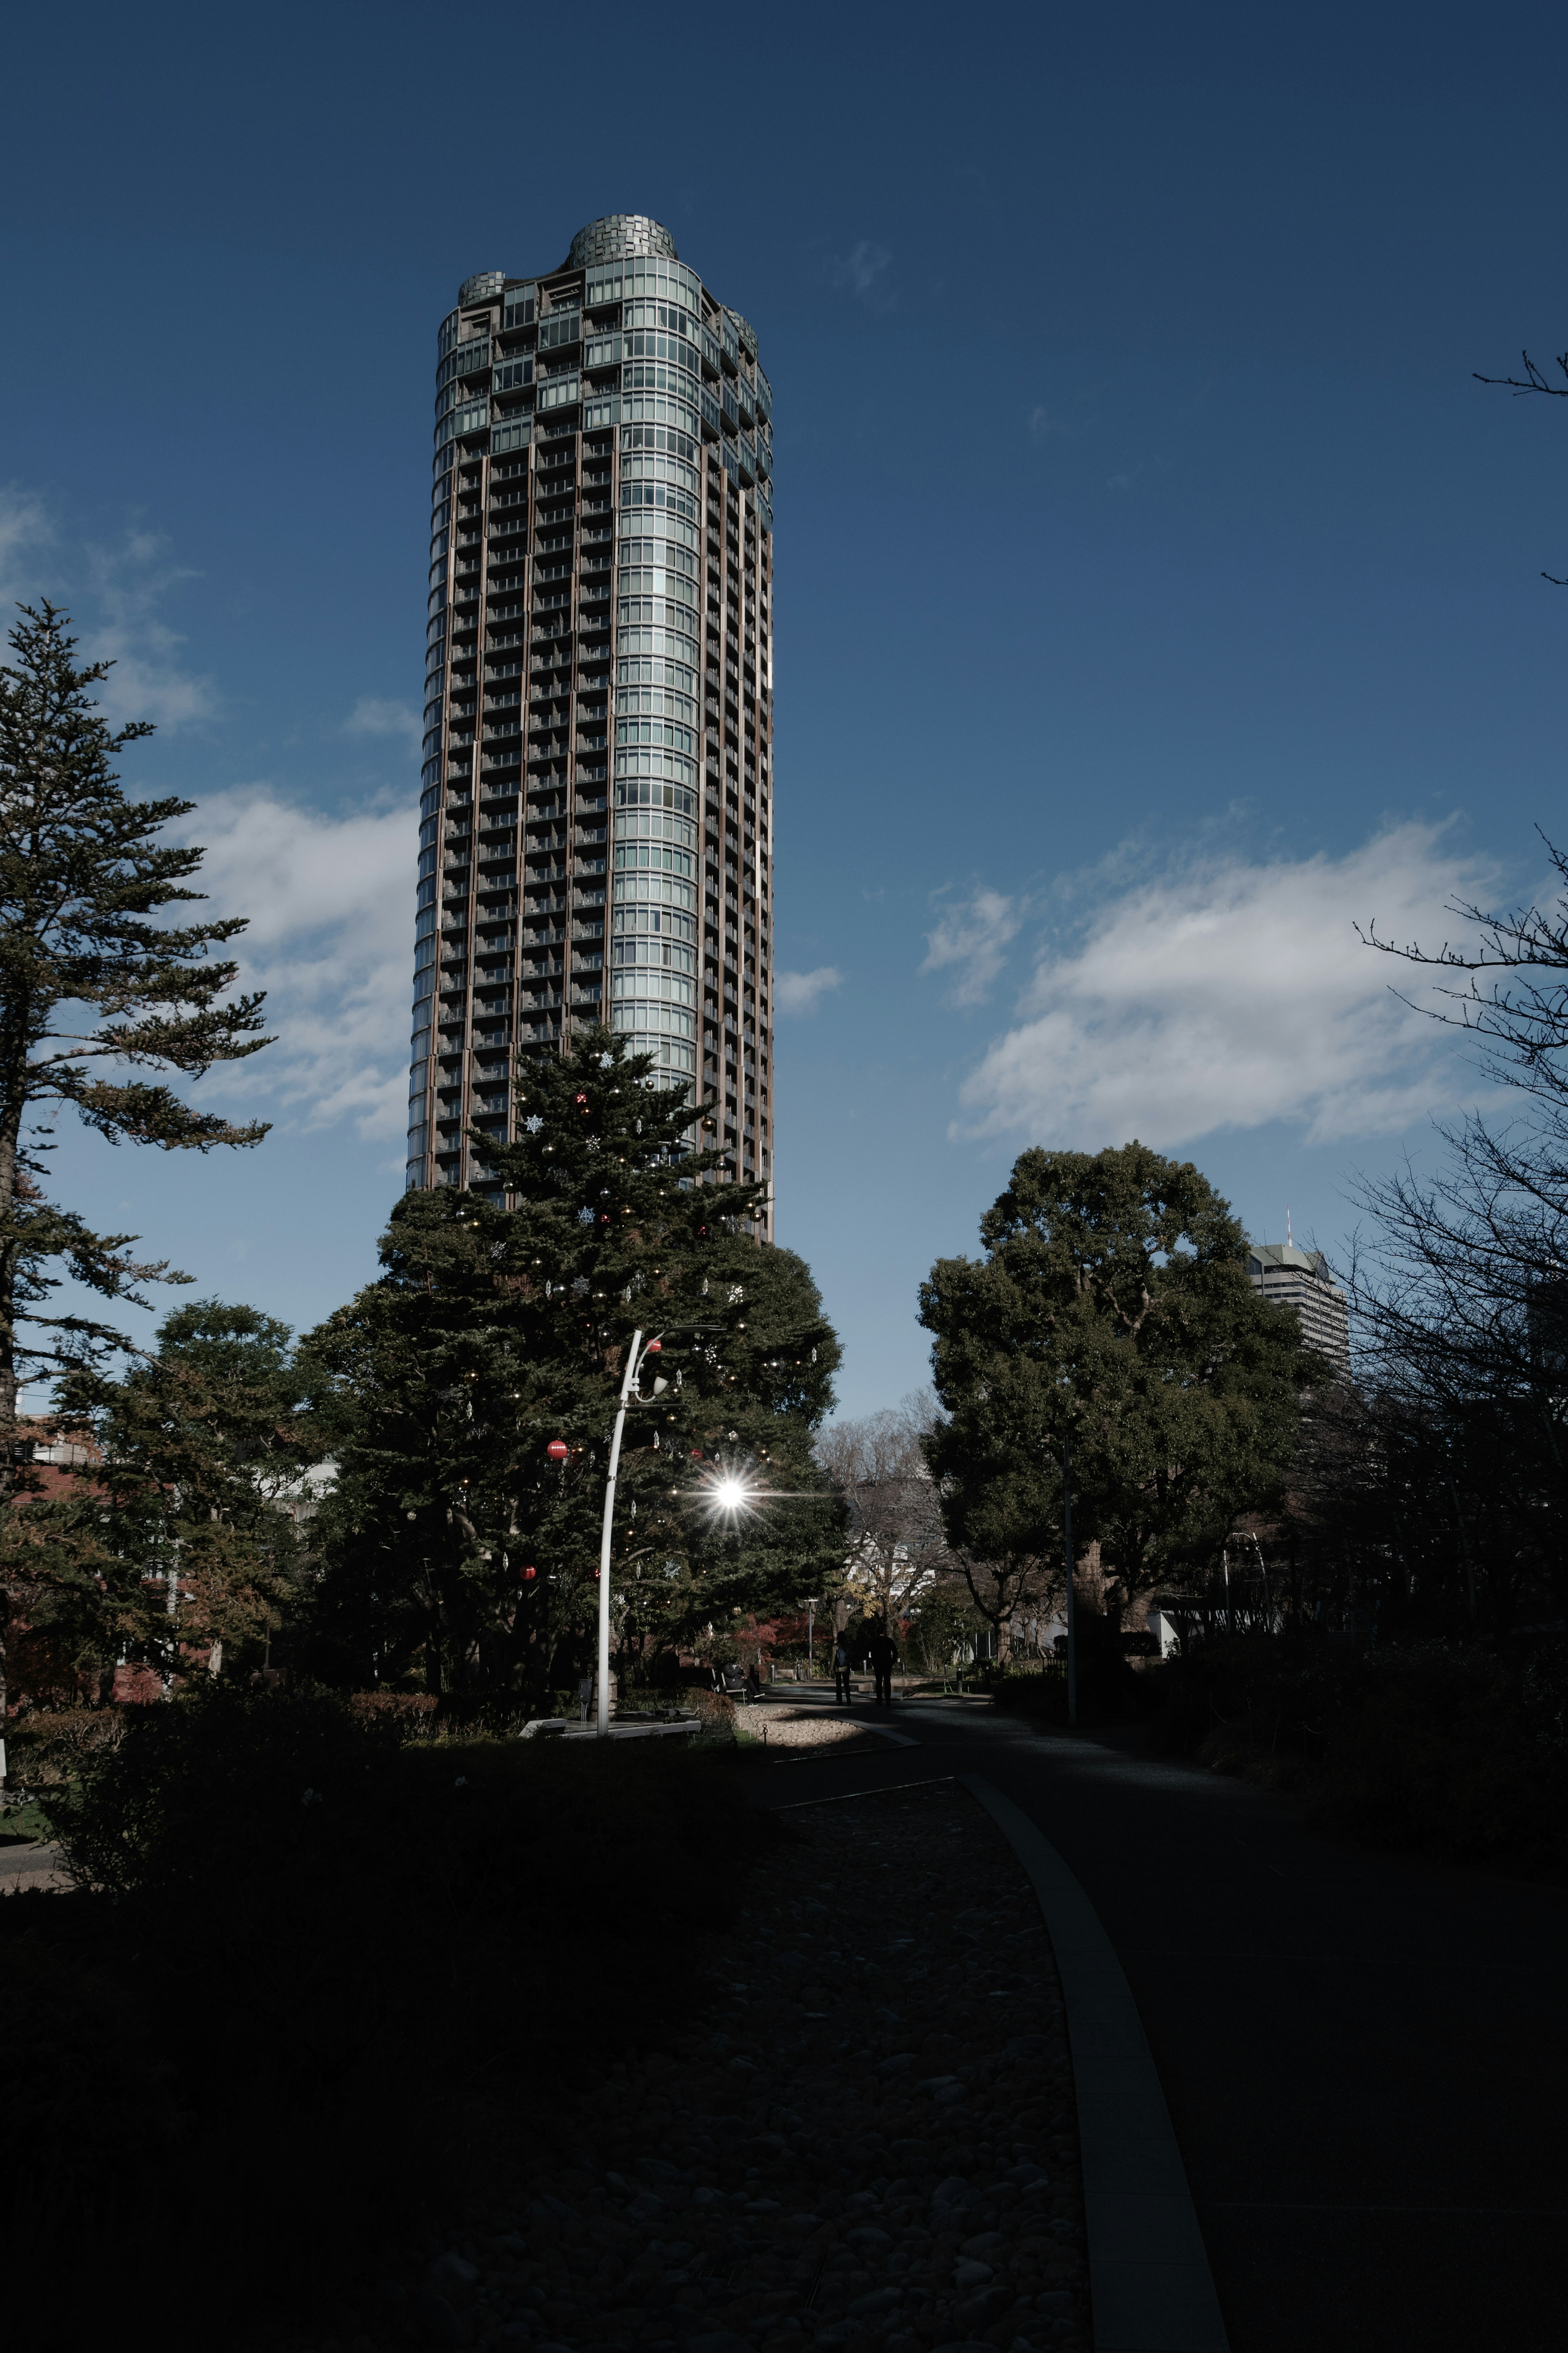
column 1157, row 592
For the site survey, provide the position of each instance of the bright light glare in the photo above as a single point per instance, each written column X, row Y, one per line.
column 730, row 1495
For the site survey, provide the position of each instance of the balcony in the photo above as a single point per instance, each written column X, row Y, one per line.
column 469, row 360
column 559, row 392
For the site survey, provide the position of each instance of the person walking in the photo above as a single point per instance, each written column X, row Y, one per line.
column 584, row 1697
column 884, row 1659
column 842, row 1687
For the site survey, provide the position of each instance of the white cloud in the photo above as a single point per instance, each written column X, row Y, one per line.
column 1226, row 994
column 800, row 992
column 862, row 272
column 24, row 531
column 147, row 680
column 330, row 903
column 974, row 935
column 113, row 610
column 372, row 715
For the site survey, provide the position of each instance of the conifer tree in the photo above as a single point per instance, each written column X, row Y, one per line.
column 93, row 993
column 1111, row 1309
column 494, row 1332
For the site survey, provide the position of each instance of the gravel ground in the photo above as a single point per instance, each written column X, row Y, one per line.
column 870, row 2143
column 786, row 1727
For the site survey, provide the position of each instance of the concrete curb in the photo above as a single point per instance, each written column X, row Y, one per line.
column 1150, row 2282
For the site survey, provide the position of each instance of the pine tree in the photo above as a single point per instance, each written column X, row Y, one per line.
column 494, row 1332
column 89, row 985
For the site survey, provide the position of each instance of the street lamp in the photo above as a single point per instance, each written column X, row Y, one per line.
column 635, row 1356
column 1072, row 1582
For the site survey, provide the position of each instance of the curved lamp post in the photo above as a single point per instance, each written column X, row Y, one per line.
column 635, row 1355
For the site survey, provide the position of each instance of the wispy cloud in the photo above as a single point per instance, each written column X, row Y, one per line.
column 126, row 584
column 25, row 531
column 331, row 905
column 372, row 715
column 974, row 936
column 1225, row 994
column 112, row 594
column 802, row 992
column 863, row 272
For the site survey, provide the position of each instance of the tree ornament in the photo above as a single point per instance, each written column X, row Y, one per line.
column 607, row 1061
column 557, row 1449
column 529, row 1575
column 534, row 1123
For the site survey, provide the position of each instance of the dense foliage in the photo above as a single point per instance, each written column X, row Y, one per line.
column 1110, row 1312
column 92, row 989
column 453, row 1545
column 173, row 1539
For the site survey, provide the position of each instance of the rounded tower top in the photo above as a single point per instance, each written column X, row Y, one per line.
column 617, row 236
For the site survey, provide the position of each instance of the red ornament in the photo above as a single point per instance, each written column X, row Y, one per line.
column 529, row 1575
column 581, row 1099
column 654, row 1348
column 558, row 1450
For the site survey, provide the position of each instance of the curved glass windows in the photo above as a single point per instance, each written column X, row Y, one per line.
column 658, row 436
column 656, row 673
column 636, row 827
column 655, row 278
column 673, row 317
column 469, row 359
column 658, row 702
column 655, row 731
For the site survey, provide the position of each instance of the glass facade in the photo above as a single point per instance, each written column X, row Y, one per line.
column 596, row 820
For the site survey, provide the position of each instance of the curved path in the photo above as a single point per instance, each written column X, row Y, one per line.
column 1365, row 2056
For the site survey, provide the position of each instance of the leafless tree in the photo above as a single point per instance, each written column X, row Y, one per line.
column 896, row 1542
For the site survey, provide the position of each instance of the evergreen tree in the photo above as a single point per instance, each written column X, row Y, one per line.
column 494, row 1333
column 1112, row 1308
column 179, row 1538
column 89, row 984
column 92, row 991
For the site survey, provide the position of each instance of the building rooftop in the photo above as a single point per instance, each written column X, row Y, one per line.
column 618, row 235
column 1261, row 1255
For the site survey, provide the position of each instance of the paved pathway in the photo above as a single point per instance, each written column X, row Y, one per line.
column 1365, row 2055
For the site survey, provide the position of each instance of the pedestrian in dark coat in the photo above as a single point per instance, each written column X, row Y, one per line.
column 884, row 1659
column 842, row 1687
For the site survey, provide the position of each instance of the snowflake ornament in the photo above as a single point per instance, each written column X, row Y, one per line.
column 584, row 1217
column 533, row 1124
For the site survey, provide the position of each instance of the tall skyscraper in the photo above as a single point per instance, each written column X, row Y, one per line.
column 1300, row 1279
column 596, row 835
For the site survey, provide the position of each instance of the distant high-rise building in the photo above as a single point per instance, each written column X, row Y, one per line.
column 596, row 822
column 1300, row 1279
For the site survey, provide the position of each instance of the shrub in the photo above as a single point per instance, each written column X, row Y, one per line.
column 341, row 1968
column 47, row 1746
column 1432, row 1745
